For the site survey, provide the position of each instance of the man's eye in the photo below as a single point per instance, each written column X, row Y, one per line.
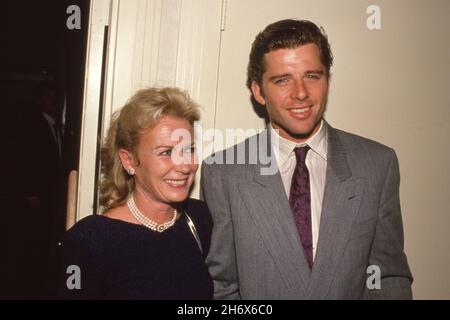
column 281, row 81
column 313, row 76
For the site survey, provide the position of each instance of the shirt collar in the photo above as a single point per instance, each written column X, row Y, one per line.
column 283, row 147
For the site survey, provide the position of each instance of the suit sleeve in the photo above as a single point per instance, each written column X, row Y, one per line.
column 388, row 246
column 221, row 259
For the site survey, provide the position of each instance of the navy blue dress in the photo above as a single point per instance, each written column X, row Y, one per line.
column 121, row 260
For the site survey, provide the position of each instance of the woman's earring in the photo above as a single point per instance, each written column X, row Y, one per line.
column 131, row 171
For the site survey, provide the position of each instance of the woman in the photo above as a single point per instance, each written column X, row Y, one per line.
column 151, row 241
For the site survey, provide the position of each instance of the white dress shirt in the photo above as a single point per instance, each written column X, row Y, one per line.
column 316, row 161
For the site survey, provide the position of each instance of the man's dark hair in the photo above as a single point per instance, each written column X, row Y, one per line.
column 286, row 34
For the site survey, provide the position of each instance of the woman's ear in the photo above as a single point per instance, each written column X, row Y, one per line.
column 127, row 159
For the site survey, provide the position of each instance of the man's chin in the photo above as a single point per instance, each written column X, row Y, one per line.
column 300, row 135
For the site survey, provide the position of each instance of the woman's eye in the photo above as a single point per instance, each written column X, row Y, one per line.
column 167, row 152
column 190, row 150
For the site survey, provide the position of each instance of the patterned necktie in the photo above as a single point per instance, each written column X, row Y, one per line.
column 300, row 201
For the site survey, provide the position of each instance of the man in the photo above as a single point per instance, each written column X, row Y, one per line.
column 44, row 188
column 327, row 224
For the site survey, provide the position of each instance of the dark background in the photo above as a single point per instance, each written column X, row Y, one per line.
column 37, row 52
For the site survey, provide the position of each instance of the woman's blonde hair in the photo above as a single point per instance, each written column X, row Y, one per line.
column 140, row 113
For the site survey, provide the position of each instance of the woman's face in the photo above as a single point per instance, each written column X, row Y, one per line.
column 167, row 162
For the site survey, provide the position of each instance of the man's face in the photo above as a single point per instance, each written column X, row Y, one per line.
column 294, row 88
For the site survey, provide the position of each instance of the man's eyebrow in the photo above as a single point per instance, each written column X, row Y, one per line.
column 315, row 71
column 278, row 76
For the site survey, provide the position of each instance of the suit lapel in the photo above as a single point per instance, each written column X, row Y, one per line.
column 266, row 201
column 342, row 198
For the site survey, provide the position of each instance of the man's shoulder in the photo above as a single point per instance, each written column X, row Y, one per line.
column 355, row 142
column 361, row 152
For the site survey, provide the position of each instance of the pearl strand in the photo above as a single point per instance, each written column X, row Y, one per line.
column 152, row 225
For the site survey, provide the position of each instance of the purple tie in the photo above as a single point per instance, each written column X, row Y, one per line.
column 300, row 201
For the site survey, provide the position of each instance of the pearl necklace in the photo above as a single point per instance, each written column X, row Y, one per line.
column 152, row 225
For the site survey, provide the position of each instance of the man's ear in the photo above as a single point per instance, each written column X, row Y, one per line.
column 257, row 93
column 127, row 159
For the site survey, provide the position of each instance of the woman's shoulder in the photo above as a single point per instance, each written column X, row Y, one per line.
column 87, row 222
column 198, row 211
column 195, row 205
column 87, row 229
column 83, row 246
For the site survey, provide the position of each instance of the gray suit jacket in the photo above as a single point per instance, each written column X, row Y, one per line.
column 256, row 252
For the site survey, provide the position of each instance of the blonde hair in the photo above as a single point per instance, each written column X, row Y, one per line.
column 144, row 109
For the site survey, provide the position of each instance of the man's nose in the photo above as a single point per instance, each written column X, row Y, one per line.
column 300, row 90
